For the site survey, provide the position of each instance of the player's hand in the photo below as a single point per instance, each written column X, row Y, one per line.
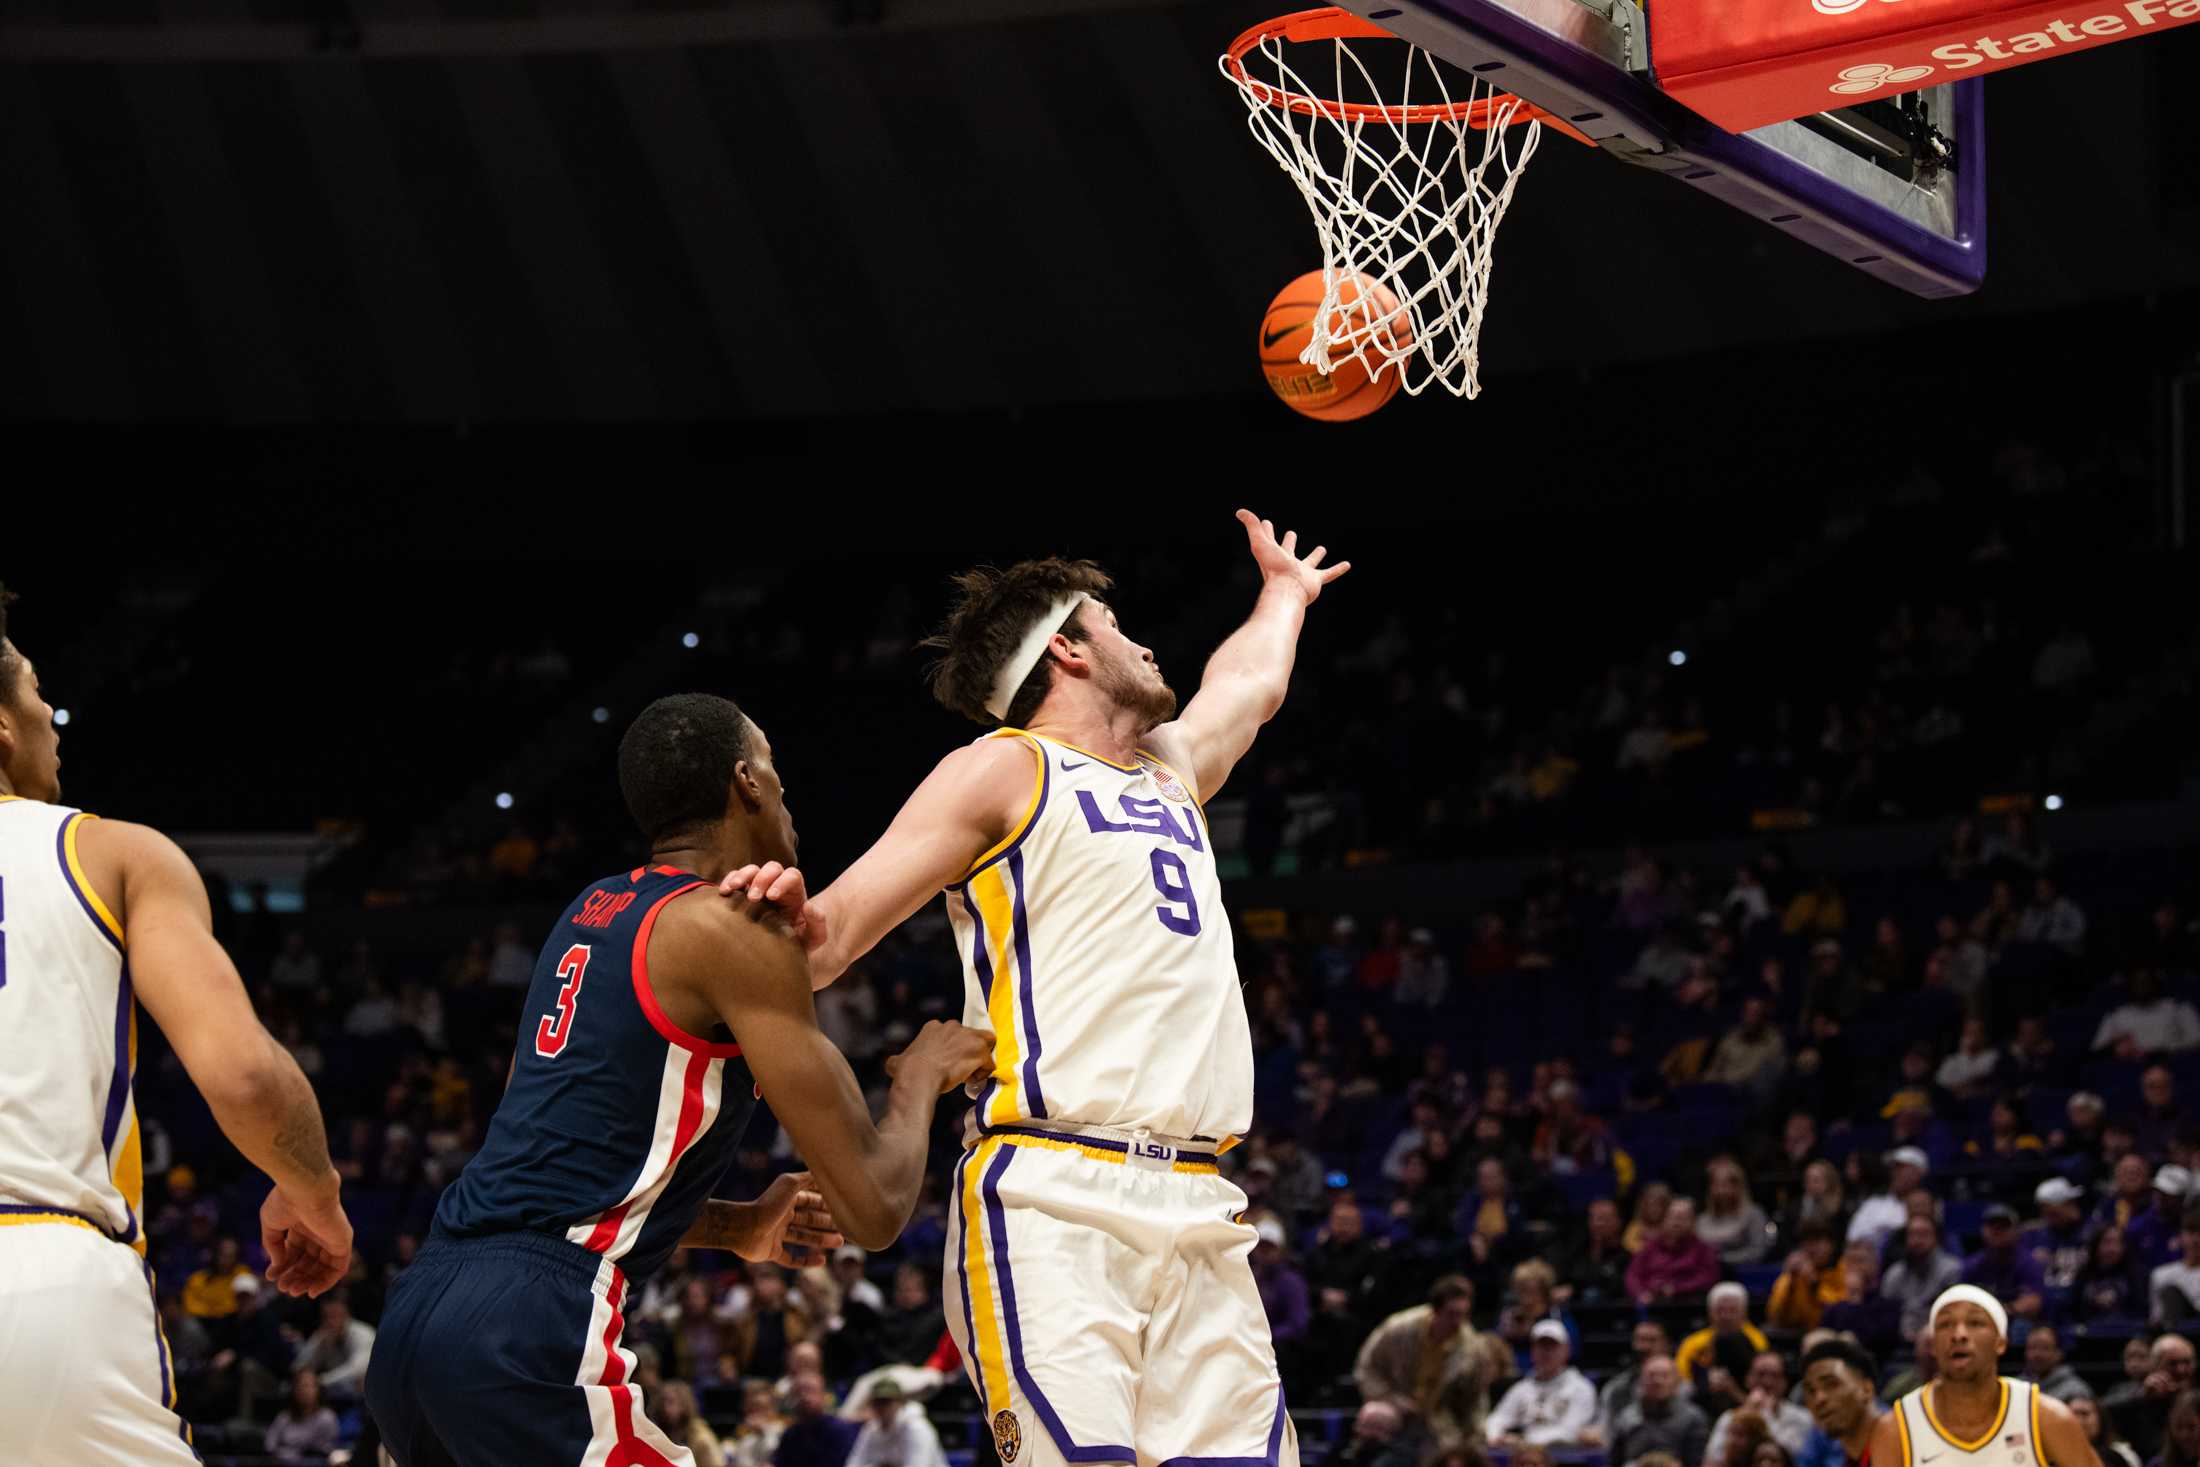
column 784, row 888
column 791, row 1224
column 308, row 1242
column 1281, row 564
column 953, row 1053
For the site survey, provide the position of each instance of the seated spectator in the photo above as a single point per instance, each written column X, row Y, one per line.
column 1345, row 1257
column 1650, row 1205
column 1863, row 1311
column 1766, row 1398
column 815, row 1437
column 898, row 1434
column 1554, row 1406
column 1298, row 1192
column 1923, row 1272
column 1530, row 1299
column 774, row 1323
column 2149, row 1022
column 699, row 1335
column 1731, row 1221
column 1751, row 1056
column 2046, row 1368
column 2006, row 1139
column 757, row 1437
column 338, row 1350
column 2057, row 1242
column 2131, row 1193
column 2138, row 1365
column 1726, row 1345
column 211, row 1293
column 1282, row 1288
column 1570, row 1140
column 1426, row 1118
column 1431, row 1364
column 1490, row 1214
column 2173, row 1289
column 1648, row 1341
column 1422, row 1210
column 1424, row 974
column 2052, row 918
column 1676, row 1262
column 1595, row 1272
column 305, row 1432
column 1382, row 1436
column 2018, row 847
column 1822, row 1200
column 1969, row 1072
column 1811, row 1280
column 2107, row 1444
column 2181, row 1439
column 2112, row 1289
column 1922, row 1370
column 1658, row 1419
column 2032, row 1058
column 2003, row 1269
column 676, row 1413
column 2160, row 1116
column 2144, row 1419
column 2153, row 1233
column 1882, row 1213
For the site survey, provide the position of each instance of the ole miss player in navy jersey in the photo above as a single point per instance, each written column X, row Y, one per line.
column 657, row 1014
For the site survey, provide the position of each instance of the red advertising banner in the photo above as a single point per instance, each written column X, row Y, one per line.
column 1746, row 63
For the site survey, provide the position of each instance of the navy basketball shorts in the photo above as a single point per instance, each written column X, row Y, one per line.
column 505, row 1350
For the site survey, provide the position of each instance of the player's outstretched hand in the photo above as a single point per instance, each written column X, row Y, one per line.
column 308, row 1242
column 960, row 1054
column 791, row 1224
column 783, row 887
column 1281, row 561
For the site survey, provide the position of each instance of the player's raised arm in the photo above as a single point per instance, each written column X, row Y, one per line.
column 1248, row 675
column 754, row 974
column 259, row 1097
column 970, row 803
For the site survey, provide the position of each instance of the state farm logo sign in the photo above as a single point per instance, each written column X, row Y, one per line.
column 1842, row 7
column 1870, row 77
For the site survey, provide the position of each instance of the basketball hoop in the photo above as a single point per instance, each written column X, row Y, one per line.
column 1399, row 188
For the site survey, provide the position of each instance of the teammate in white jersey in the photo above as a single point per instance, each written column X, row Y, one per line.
column 1972, row 1415
column 96, row 917
column 1096, row 1271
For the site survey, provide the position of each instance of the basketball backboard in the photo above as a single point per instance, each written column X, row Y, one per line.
column 1894, row 186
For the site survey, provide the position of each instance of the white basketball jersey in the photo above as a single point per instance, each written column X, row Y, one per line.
column 1094, row 946
column 68, row 1034
column 2013, row 1440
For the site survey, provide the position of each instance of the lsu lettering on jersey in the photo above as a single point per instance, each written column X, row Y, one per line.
column 1095, row 948
column 2012, row 1441
column 68, row 1034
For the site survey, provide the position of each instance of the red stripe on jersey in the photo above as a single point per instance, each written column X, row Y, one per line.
column 647, row 997
column 683, row 1136
column 631, row 1450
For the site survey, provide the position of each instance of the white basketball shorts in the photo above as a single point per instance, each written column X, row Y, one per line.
column 87, row 1373
column 1099, row 1290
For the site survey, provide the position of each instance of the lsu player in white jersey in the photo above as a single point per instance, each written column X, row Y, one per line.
column 1971, row 1415
column 1096, row 1274
column 97, row 917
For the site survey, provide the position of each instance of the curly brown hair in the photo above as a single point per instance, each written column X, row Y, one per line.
column 993, row 608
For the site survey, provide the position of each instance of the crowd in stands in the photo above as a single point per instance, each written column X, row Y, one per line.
column 1769, row 1107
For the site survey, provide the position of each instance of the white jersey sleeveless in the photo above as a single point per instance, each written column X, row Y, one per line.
column 1094, row 946
column 68, row 1035
column 2013, row 1441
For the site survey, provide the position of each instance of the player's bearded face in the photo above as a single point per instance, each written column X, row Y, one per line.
column 1136, row 684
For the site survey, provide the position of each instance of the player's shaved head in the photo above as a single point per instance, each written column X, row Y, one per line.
column 11, row 661
column 676, row 761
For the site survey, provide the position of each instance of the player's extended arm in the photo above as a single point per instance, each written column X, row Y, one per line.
column 789, row 1224
column 973, row 800
column 756, row 977
column 257, row 1093
column 1247, row 676
column 2062, row 1439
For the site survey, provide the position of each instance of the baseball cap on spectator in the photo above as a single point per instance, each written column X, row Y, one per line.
column 246, row 1284
column 2000, row 1212
column 1903, row 1100
column 2084, row 1100
column 1910, row 1156
column 182, row 1178
column 1549, row 1329
column 1270, row 1231
column 848, row 1250
column 1422, row 936
column 2057, row 1190
column 1261, row 1164
column 1826, row 947
column 2174, row 1180
column 1343, row 927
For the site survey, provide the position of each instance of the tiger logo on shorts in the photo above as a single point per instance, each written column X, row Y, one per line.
column 1008, row 1437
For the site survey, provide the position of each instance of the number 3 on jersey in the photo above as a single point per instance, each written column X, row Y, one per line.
column 555, row 1029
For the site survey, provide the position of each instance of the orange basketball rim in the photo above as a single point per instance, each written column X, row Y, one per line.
column 1332, row 23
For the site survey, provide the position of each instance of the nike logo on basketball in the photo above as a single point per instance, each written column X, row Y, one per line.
column 1270, row 338
column 1067, row 766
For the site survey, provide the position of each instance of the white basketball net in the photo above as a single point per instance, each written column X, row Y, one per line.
column 1414, row 205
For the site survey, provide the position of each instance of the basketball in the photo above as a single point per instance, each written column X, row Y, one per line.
column 1348, row 391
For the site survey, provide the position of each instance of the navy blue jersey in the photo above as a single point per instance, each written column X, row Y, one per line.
column 617, row 1126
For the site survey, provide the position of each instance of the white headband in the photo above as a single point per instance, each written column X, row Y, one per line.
column 1028, row 652
column 1972, row 1294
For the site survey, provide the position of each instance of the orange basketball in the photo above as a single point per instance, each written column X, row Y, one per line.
column 1347, row 392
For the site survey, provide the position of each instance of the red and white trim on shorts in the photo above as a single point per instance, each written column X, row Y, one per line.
column 689, row 1089
column 620, row 1435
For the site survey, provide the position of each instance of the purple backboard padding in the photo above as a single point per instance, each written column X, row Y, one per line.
column 1605, row 101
